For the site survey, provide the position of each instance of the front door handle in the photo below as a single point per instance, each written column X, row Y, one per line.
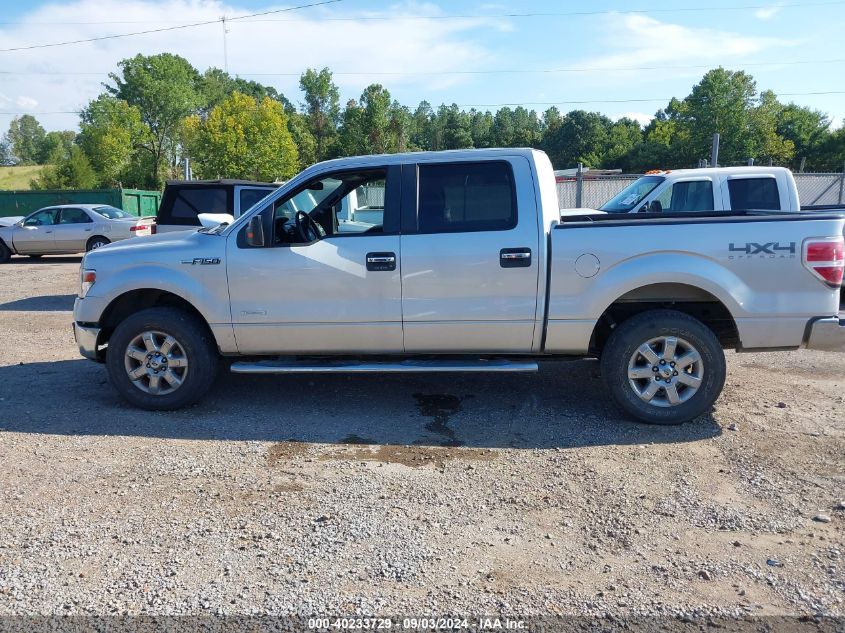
column 515, row 258
column 381, row 262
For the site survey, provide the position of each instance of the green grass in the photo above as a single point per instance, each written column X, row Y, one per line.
column 18, row 177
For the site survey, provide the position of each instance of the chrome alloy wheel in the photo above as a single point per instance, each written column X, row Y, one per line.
column 156, row 363
column 665, row 371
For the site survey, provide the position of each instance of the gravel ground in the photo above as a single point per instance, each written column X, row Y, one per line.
column 502, row 494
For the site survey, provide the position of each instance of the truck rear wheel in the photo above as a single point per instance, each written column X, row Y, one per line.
column 663, row 367
column 162, row 359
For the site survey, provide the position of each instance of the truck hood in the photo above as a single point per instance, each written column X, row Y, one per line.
column 155, row 248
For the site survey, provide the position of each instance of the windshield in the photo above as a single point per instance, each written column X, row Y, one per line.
column 631, row 195
column 112, row 213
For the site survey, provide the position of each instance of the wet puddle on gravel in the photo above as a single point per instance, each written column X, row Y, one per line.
column 439, row 407
column 413, row 456
column 354, row 448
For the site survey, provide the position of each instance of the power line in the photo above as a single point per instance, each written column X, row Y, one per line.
column 522, row 103
column 163, row 29
column 472, row 16
column 479, row 72
column 649, row 100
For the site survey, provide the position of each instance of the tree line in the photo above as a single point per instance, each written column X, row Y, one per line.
column 156, row 110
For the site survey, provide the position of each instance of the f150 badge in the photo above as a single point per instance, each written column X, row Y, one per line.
column 754, row 250
column 202, row 261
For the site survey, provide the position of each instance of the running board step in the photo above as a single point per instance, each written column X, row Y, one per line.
column 360, row 367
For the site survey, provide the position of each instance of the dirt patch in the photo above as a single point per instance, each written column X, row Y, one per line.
column 285, row 450
column 413, row 456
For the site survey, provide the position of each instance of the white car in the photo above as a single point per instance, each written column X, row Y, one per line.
column 68, row 228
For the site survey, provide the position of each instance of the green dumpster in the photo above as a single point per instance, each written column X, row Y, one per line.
column 135, row 201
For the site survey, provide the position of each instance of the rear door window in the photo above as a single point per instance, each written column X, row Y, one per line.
column 464, row 197
column 73, row 216
column 686, row 196
column 754, row 193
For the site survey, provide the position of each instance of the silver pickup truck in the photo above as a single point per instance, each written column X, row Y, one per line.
column 461, row 264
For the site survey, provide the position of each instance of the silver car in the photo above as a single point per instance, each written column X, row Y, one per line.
column 68, row 228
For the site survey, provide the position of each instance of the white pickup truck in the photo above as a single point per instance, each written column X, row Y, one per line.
column 466, row 267
column 707, row 189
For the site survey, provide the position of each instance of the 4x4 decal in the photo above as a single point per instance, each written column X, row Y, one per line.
column 767, row 249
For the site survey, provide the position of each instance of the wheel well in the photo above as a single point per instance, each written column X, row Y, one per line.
column 131, row 302
column 690, row 300
column 94, row 237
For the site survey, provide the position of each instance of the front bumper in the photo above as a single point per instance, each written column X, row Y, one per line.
column 86, row 339
column 827, row 334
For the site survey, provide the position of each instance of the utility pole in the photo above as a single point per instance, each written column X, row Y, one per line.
column 714, row 155
column 225, row 47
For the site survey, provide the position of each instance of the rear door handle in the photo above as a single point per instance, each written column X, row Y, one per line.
column 515, row 258
column 381, row 262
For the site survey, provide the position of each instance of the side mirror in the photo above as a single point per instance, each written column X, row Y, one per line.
column 255, row 231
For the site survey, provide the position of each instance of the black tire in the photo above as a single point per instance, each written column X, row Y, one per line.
column 5, row 253
column 96, row 242
column 627, row 339
column 194, row 338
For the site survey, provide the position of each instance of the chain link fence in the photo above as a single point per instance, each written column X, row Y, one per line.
column 820, row 188
column 596, row 190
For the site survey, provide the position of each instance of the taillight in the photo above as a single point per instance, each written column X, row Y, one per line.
column 825, row 258
column 141, row 227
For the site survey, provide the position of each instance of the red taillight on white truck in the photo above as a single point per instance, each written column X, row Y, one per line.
column 825, row 258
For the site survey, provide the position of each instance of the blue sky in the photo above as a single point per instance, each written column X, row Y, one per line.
column 612, row 60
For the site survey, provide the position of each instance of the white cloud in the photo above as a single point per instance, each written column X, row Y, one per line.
column 644, row 41
column 640, row 117
column 767, row 13
column 273, row 51
column 27, row 103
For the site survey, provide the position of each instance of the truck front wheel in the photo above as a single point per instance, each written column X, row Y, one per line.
column 663, row 367
column 162, row 359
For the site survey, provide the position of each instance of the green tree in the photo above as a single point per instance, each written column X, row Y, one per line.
column 375, row 103
column 71, row 171
column 26, row 139
column 302, row 138
column 581, row 137
column 481, row 128
column 624, row 135
column 55, row 144
column 243, row 138
column 808, row 130
column 400, row 127
column 217, row 85
column 165, row 88
column 5, row 153
column 112, row 135
column 352, row 137
column 321, row 108
column 421, row 127
column 454, row 127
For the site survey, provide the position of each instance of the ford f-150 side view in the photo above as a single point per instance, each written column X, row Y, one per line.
column 460, row 263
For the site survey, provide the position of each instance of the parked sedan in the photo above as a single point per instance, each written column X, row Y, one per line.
column 68, row 228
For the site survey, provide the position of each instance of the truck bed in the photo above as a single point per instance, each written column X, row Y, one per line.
column 746, row 262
